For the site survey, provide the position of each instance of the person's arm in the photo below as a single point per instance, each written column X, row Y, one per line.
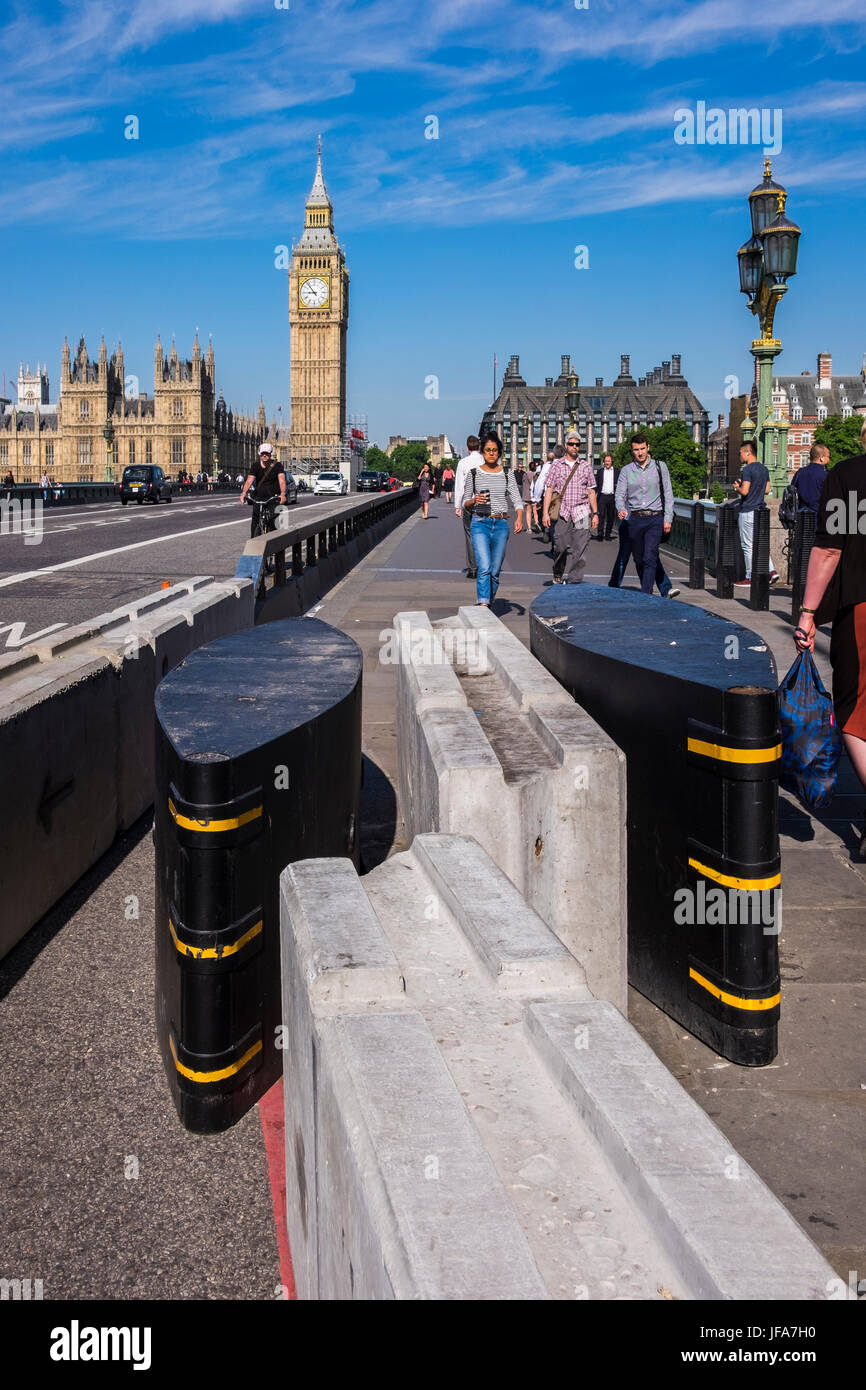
column 767, row 488
column 250, row 479
column 513, row 491
column 281, row 479
column 459, row 481
column 621, row 494
column 668, row 498
column 822, row 567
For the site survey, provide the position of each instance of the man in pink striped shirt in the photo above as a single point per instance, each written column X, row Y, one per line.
column 578, row 514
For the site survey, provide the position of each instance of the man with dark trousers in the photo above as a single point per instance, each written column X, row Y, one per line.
column 605, row 491
column 645, row 499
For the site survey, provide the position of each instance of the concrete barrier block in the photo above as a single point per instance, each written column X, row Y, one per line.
column 527, row 681
column 729, row 1234
column 450, row 1138
column 76, row 738
column 516, row 947
column 387, row 1112
column 507, row 757
column 336, row 952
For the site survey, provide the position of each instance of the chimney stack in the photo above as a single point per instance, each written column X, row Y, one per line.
column 676, row 359
column 624, row 364
column 666, row 370
column 825, row 371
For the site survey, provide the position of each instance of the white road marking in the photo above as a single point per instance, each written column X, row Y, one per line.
column 119, row 550
column 16, row 636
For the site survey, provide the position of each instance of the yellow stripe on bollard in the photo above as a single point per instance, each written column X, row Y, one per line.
column 206, row 1076
column 730, row 881
column 213, row 952
column 735, row 755
column 213, row 827
column 736, row 1001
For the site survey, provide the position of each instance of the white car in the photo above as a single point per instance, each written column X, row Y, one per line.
column 330, row 483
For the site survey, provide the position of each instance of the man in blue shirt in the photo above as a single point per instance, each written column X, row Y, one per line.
column 645, row 499
column 809, row 481
column 753, row 485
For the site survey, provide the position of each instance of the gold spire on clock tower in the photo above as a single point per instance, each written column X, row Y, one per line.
column 318, row 318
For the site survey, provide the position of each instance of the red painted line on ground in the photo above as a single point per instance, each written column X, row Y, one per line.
column 274, row 1132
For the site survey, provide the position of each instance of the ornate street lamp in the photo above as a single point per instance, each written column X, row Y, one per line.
column 572, row 399
column 766, row 262
column 108, row 436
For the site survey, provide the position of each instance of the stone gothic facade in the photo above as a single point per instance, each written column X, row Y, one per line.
column 103, row 423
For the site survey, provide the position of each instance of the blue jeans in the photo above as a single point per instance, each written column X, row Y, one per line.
column 489, row 539
column 663, row 580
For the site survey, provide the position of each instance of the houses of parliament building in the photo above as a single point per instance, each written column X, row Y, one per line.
column 96, row 430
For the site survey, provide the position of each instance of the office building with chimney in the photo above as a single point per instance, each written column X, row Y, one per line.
column 529, row 419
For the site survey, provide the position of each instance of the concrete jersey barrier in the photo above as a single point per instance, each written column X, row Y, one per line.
column 76, row 735
column 464, row 1120
column 490, row 745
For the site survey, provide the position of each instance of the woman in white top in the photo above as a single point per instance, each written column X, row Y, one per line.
column 494, row 488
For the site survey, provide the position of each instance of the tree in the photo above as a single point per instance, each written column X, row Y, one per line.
column 842, row 437
column 377, row 459
column 407, row 460
column 718, row 493
column 672, row 443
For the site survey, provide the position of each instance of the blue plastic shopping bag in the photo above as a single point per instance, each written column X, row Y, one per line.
column 811, row 742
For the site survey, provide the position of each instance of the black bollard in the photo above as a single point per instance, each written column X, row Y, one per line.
column 696, row 548
column 691, row 701
column 258, row 764
column 759, row 589
column 726, row 552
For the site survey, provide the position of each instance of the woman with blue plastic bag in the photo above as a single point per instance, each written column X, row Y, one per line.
column 836, row 589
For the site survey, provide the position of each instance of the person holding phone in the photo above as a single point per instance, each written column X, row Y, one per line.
column 488, row 490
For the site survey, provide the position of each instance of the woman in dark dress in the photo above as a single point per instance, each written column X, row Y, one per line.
column 425, row 482
column 836, row 588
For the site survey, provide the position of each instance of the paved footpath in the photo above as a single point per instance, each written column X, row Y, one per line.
column 106, row 1196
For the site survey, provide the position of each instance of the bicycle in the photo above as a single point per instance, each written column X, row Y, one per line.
column 264, row 521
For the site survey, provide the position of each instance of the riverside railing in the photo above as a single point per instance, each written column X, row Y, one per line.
column 329, row 541
column 707, row 534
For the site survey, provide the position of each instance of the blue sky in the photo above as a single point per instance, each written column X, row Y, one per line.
column 555, row 130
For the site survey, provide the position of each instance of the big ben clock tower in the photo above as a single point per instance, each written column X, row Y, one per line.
column 318, row 317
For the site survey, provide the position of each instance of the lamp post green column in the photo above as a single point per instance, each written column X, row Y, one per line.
column 108, row 436
column 766, row 263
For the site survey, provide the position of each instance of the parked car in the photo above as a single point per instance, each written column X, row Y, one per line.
column 330, row 484
column 144, row 482
column 369, row 480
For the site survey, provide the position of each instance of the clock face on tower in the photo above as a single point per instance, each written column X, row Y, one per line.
column 314, row 293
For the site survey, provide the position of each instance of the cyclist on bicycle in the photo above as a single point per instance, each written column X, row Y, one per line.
column 268, row 478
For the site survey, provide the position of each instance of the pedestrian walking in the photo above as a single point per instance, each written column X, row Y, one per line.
column 605, row 491
column 448, row 483
column 425, row 487
column 530, row 508
column 487, row 491
column 645, row 499
column 836, row 592
column 471, row 459
column 665, row 584
column 573, row 479
column 752, row 487
column 9, row 484
column 45, row 484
